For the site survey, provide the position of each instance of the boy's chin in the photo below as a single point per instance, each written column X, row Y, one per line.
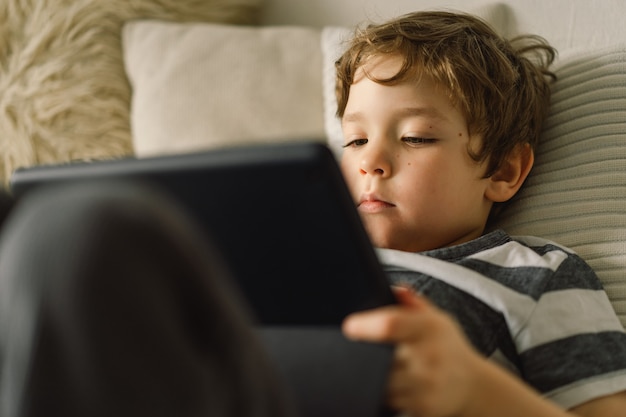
column 408, row 244
column 390, row 241
column 388, row 234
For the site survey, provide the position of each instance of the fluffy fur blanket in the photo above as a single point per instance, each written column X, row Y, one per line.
column 63, row 91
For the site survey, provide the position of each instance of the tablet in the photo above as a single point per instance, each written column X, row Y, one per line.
column 281, row 216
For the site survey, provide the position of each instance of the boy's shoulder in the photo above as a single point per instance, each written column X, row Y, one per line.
column 499, row 262
column 536, row 243
column 530, row 264
column 506, row 250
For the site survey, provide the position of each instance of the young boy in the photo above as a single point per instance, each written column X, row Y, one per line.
column 441, row 118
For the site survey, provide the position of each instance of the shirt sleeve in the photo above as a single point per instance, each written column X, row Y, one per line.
column 573, row 346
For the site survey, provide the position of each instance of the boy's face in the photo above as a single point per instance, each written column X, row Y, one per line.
column 407, row 163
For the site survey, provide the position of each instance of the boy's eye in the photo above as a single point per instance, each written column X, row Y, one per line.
column 355, row 143
column 414, row 140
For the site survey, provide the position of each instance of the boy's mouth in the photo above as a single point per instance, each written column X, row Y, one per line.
column 373, row 204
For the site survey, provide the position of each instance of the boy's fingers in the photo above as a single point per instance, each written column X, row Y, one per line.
column 366, row 326
column 391, row 324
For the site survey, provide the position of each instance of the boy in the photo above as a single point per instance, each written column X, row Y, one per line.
column 440, row 118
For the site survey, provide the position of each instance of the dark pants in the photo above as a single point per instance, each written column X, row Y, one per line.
column 99, row 289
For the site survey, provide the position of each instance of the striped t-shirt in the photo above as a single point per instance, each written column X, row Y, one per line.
column 528, row 304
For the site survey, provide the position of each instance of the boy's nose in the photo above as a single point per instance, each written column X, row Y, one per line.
column 375, row 162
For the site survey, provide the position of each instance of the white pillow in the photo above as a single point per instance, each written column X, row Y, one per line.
column 203, row 86
column 576, row 193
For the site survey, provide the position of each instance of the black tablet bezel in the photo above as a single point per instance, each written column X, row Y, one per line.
column 281, row 215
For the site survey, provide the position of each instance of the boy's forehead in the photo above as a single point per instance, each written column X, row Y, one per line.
column 386, row 66
column 379, row 66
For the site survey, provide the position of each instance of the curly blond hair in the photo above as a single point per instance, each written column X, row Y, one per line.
column 501, row 86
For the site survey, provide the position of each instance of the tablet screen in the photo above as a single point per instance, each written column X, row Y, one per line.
column 280, row 215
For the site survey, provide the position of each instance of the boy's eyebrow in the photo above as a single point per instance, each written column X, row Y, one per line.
column 400, row 114
column 422, row 111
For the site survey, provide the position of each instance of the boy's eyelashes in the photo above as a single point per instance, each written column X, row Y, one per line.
column 417, row 140
column 355, row 143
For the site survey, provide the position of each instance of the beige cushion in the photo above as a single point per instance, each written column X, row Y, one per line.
column 203, row 86
column 576, row 193
column 64, row 91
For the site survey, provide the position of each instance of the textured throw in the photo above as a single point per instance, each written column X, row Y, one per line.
column 63, row 90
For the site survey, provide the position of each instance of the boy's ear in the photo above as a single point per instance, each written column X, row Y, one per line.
column 508, row 179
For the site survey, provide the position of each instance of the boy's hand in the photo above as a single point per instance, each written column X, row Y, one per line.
column 434, row 367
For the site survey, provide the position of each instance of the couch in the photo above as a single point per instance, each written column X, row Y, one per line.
column 90, row 79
